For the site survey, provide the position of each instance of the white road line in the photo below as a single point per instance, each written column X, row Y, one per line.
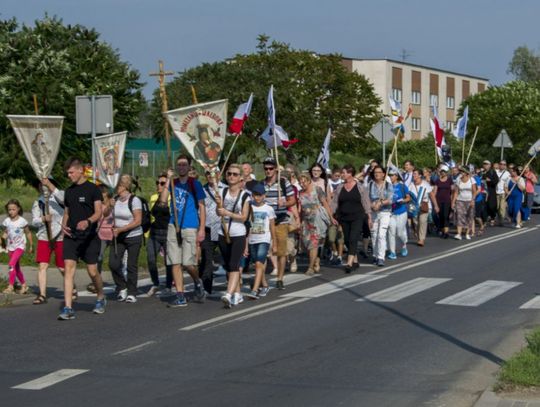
column 532, row 304
column 333, row 286
column 479, row 294
column 50, row 379
column 133, row 348
column 232, row 314
column 257, row 313
column 404, row 290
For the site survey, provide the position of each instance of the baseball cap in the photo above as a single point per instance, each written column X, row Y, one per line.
column 258, row 189
column 487, row 162
column 270, row 161
column 444, row 168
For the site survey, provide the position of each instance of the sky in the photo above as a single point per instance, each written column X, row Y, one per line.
column 475, row 37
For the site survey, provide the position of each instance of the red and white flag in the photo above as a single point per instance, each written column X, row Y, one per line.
column 438, row 132
column 240, row 117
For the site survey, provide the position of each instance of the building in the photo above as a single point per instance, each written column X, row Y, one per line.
column 419, row 86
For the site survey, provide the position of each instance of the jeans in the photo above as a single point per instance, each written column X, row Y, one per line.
column 157, row 242
column 133, row 246
column 397, row 230
column 379, row 230
column 258, row 252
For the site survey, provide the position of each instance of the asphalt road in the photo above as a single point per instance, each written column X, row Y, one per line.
column 430, row 330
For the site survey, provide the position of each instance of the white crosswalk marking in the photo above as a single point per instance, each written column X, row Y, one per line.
column 532, row 304
column 50, row 379
column 405, row 289
column 334, row 286
column 479, row 294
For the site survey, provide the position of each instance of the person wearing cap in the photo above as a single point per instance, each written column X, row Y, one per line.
column 442, row 189
column 397, row 228
column 504, row 176
column 530, row 181
column 480, row 208
column 514, row 190
column 422, row 195
column 280, row 196
column 463, row 198
column 491, row 179
column 380, row 195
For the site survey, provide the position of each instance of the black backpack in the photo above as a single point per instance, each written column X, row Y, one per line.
column 146, row 214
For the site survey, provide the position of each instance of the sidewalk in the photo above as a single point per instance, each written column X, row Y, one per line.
column 490, row 399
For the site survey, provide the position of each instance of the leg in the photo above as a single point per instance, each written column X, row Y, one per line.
column 96, row 279
column 422, row 227
column 392, row 233
column 206, row 266
column 116, row 264
column 69, row 274
column 42, row 278
column 133, row 245
column 152, row 248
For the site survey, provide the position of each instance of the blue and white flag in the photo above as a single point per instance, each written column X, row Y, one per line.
column 461, row 127
column 324, row 154
column 535, row 149
column 271, row 108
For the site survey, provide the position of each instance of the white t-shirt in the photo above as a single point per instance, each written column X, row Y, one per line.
column 16, row 238
column 426, row 190
column 235, row 227
column 465, row 189
column 504, row 176
column 123, row 216
column 260, row 224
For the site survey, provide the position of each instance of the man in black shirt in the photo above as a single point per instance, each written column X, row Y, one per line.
column 82, row 212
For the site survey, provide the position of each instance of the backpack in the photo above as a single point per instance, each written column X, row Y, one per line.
column 245, row 196
column 145, row 209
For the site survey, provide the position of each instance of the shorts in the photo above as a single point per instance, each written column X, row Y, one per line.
column 44, row 251
column 186, row 254
column 233, row 252
column 282, row 231
column 335, row 234
column 86, row 249
column 258, row 252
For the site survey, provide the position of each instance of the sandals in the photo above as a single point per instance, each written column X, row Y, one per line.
column 74, row 294
column 40, row 299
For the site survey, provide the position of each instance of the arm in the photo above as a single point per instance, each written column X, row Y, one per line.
column 474, row 193
column 433, row 198
column 273, row 234
column 164, row 196
column 30, row 238
column 365, row 203
column 65, row 228
column 202, row 221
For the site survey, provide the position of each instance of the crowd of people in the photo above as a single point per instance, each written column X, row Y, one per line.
column 337, row 217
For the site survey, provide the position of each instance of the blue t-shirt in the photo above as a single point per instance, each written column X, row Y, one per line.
column 400, row 192
column 480, row 186
column 189, row 198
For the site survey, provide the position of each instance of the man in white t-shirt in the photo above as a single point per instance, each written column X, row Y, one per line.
column 504, row 176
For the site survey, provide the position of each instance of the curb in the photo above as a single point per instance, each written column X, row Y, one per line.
column 490, row 399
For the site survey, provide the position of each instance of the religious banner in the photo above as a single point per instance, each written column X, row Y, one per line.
column 39, row 137
column 110, row 157
column 201, row 129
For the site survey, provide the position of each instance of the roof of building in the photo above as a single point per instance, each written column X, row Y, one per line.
column 151, row 144
column 418, row 66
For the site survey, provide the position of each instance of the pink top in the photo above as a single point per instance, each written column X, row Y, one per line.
column 105, row 227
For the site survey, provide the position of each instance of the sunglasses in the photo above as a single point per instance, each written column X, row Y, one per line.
column 269, row 168
column 233, row 174
column 162, row 183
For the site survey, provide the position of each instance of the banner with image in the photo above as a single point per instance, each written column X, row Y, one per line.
column 110, row 157
column 39, row 137
column 201, row 129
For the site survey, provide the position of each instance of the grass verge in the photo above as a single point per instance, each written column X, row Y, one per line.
column 522, row 371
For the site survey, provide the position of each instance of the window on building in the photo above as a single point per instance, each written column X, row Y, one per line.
column 396, row 94
column 415, row 124
column 433, row 100
column 450, row 126
column 449, row 102
column 415, row 97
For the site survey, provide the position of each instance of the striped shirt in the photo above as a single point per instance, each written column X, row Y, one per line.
column 273, row 191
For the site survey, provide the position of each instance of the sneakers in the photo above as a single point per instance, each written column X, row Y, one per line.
column 23, row 290
column 99, row 308
column 166, row 292
column 274, row 272
column 131, row 299
column 467, row 237
column 404, row 252
column 152, row 291
column 237, row 299
column 253, row 295
column 8, row 290
column 309, row 272
column 336, row 261
column 66, row 314
column 380, row 263
column 294, row 267
column 263, row 291
column 179, row 301
column 226, row 299
column 200, row 294
column 518, row 226
column 122, row 295
column 392, row 256
column 279, row 285
column 458, row 237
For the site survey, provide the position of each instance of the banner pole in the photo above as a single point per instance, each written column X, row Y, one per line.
column 520, row 175
column 472, row 144
column 230, row 151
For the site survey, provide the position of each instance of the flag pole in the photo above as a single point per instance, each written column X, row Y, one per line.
column 230, row 151
column 463, row 151
column 472, row 144
column 194, row 95
column 520, row 175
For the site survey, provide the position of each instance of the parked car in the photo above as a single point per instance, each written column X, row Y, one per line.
column 536, row 199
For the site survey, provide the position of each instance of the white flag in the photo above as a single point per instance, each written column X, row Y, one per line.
column 110, row 157
column 201, row 129
column 535, row 148
column 39, row 137
column 324, row 155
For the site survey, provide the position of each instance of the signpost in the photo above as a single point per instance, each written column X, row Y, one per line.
column 503, row 141
column 382, row 131
column 94, row 115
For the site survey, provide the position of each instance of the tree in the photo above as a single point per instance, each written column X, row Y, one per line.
column 58, row 62
column 515, row 107
column 525, row 65
column 310, row 92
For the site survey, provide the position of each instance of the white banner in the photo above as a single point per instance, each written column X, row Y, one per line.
column 110, row 157
column 39, row 137
column 201, row 129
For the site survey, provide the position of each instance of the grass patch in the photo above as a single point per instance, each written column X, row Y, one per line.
column 522, row 369
column 17, row 189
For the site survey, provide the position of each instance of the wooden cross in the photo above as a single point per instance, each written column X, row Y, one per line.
column 164, row 105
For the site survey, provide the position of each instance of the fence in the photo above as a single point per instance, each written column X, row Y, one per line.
column 146, row 163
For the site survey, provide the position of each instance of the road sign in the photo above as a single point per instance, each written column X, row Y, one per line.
column 382, row 131
column 503, row 141
column 103, row 109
